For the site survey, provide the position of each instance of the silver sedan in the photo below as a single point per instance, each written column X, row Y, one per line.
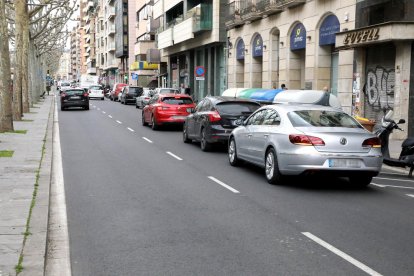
column 289, row 139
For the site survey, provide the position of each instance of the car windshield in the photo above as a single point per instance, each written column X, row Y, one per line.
column 177, row 100
column 235, row 108
column 73, row 92
column 95, row 87
column 167, row 90
column 322, row 118
column 135, row 90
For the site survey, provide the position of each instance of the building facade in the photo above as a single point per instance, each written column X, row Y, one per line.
column 192, row 37
column 64, row 66
column 383, row 60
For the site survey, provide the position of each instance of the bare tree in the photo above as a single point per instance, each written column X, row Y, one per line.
column 6, row 120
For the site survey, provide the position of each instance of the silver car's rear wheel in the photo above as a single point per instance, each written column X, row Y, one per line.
column 234, row 161
column 272, row 172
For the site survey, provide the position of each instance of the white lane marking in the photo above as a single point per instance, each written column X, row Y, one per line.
column 406, row 180
column 99, row 108
column 130, row 129
column 110, row 116
column 103, row 112
column 119, row 122
column 223, row 184
column 341, row 254
column 392, row 186
column 410, row 195
column 175, row 156
column 146, row 139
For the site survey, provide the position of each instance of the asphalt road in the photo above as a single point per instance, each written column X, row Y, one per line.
column 141, row 202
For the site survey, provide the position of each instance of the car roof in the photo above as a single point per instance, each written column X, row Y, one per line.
column 288, row 107
column 220, row 99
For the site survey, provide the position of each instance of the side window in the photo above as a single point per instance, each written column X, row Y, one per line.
column 257, row 118
column 271, row 118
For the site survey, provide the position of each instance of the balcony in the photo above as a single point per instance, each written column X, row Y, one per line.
column 268, row 7
column 111, row 30
column 196, row 20
column 249, row 11
column 153, row 25
column 289, row 3
column 91, row 70
column 111, row 12
column 141, row 47
column 111, row 46
column 233, row 17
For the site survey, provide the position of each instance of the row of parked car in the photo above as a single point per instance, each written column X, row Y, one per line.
column 285, row 139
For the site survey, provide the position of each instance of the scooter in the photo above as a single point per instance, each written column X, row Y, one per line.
column 406, row 158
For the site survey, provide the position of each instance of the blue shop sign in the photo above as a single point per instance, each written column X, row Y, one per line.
column 240, row 49
column 298, row 37
column 258, row 46
column 330, row 26
column 134, row 76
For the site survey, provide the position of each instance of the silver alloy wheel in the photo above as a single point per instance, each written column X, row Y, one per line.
column 270, row 165
column 232, row 151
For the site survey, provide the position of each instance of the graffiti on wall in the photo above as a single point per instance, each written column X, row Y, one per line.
column 379, row 88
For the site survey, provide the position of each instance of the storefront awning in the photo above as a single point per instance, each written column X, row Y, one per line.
column 374, row 34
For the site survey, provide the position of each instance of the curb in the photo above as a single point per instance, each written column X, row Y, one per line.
column 34, row 250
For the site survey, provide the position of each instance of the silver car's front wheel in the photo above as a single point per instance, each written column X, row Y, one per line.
column 273, row 174
column 234, row 161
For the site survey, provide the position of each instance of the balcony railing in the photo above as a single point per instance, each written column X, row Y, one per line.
column 111, row 12
column 289, row 3
column 111, row 46
column 233, row 18
column 249, row 11
column 268, row 7
column 111, row 30
column 153, row 25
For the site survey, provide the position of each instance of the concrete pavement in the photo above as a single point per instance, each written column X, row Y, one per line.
column 29, row 171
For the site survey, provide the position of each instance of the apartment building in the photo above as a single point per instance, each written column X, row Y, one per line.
column 144, row 58
column 121, row 39
column 63, row 70
column 106, row 62
column 192, row 37
column 89, row 11
column 75, row 54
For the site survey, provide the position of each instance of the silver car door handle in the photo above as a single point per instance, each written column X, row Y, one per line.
column 266, row 135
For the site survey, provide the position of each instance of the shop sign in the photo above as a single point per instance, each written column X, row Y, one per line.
column 240, row 50
column 298, row 37
column 361, row 36
column 258, row 46
column 134, row 76
column 330, row 26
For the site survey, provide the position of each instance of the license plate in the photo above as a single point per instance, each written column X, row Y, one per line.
column 75, row 98
column 344, row 163
column 178, row 117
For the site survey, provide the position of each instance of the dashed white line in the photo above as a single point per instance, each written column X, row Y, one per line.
column 406, row 180
column 392, row 186
column 119, row 122
column 146, row 139
column 410, row 195
column 341, row 254
column 223, row 184
column 99, row 108
column 110, row 116
column 103, row 112
column 175, row 156
column 130, row 129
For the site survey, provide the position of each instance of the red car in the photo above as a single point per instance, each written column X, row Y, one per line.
column 167, row 109
column 115, row 91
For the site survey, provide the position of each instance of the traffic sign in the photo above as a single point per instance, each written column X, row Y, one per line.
column 199, row 71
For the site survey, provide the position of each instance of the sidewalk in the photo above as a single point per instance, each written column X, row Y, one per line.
column 19, row 174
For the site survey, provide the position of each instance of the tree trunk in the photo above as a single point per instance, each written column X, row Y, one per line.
column 6, row 117
column 25, row 63
column 20, row 6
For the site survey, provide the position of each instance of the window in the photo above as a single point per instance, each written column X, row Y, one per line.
column 322, row 118
column 234, row 108
column 271, row 117
column 257, row 118
column 177, row 100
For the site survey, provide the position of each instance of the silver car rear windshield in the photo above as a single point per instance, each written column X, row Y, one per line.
column 322, row 118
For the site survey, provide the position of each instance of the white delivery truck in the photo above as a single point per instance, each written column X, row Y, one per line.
column 87, row 80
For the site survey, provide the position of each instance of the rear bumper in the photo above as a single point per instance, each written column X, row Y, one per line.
column 218, row 134
column 82, row 103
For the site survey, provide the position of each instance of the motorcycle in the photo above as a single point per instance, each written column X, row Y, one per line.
column 406, row 159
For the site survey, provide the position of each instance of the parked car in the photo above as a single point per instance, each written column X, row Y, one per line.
column 298, row 139
column 63, row 85
column 130, row 93
column 166, row 90
column 74, row 97
column 96, row 92
column 165, row 109
column 115, row 91
column 213, row 119
column 143, row 99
